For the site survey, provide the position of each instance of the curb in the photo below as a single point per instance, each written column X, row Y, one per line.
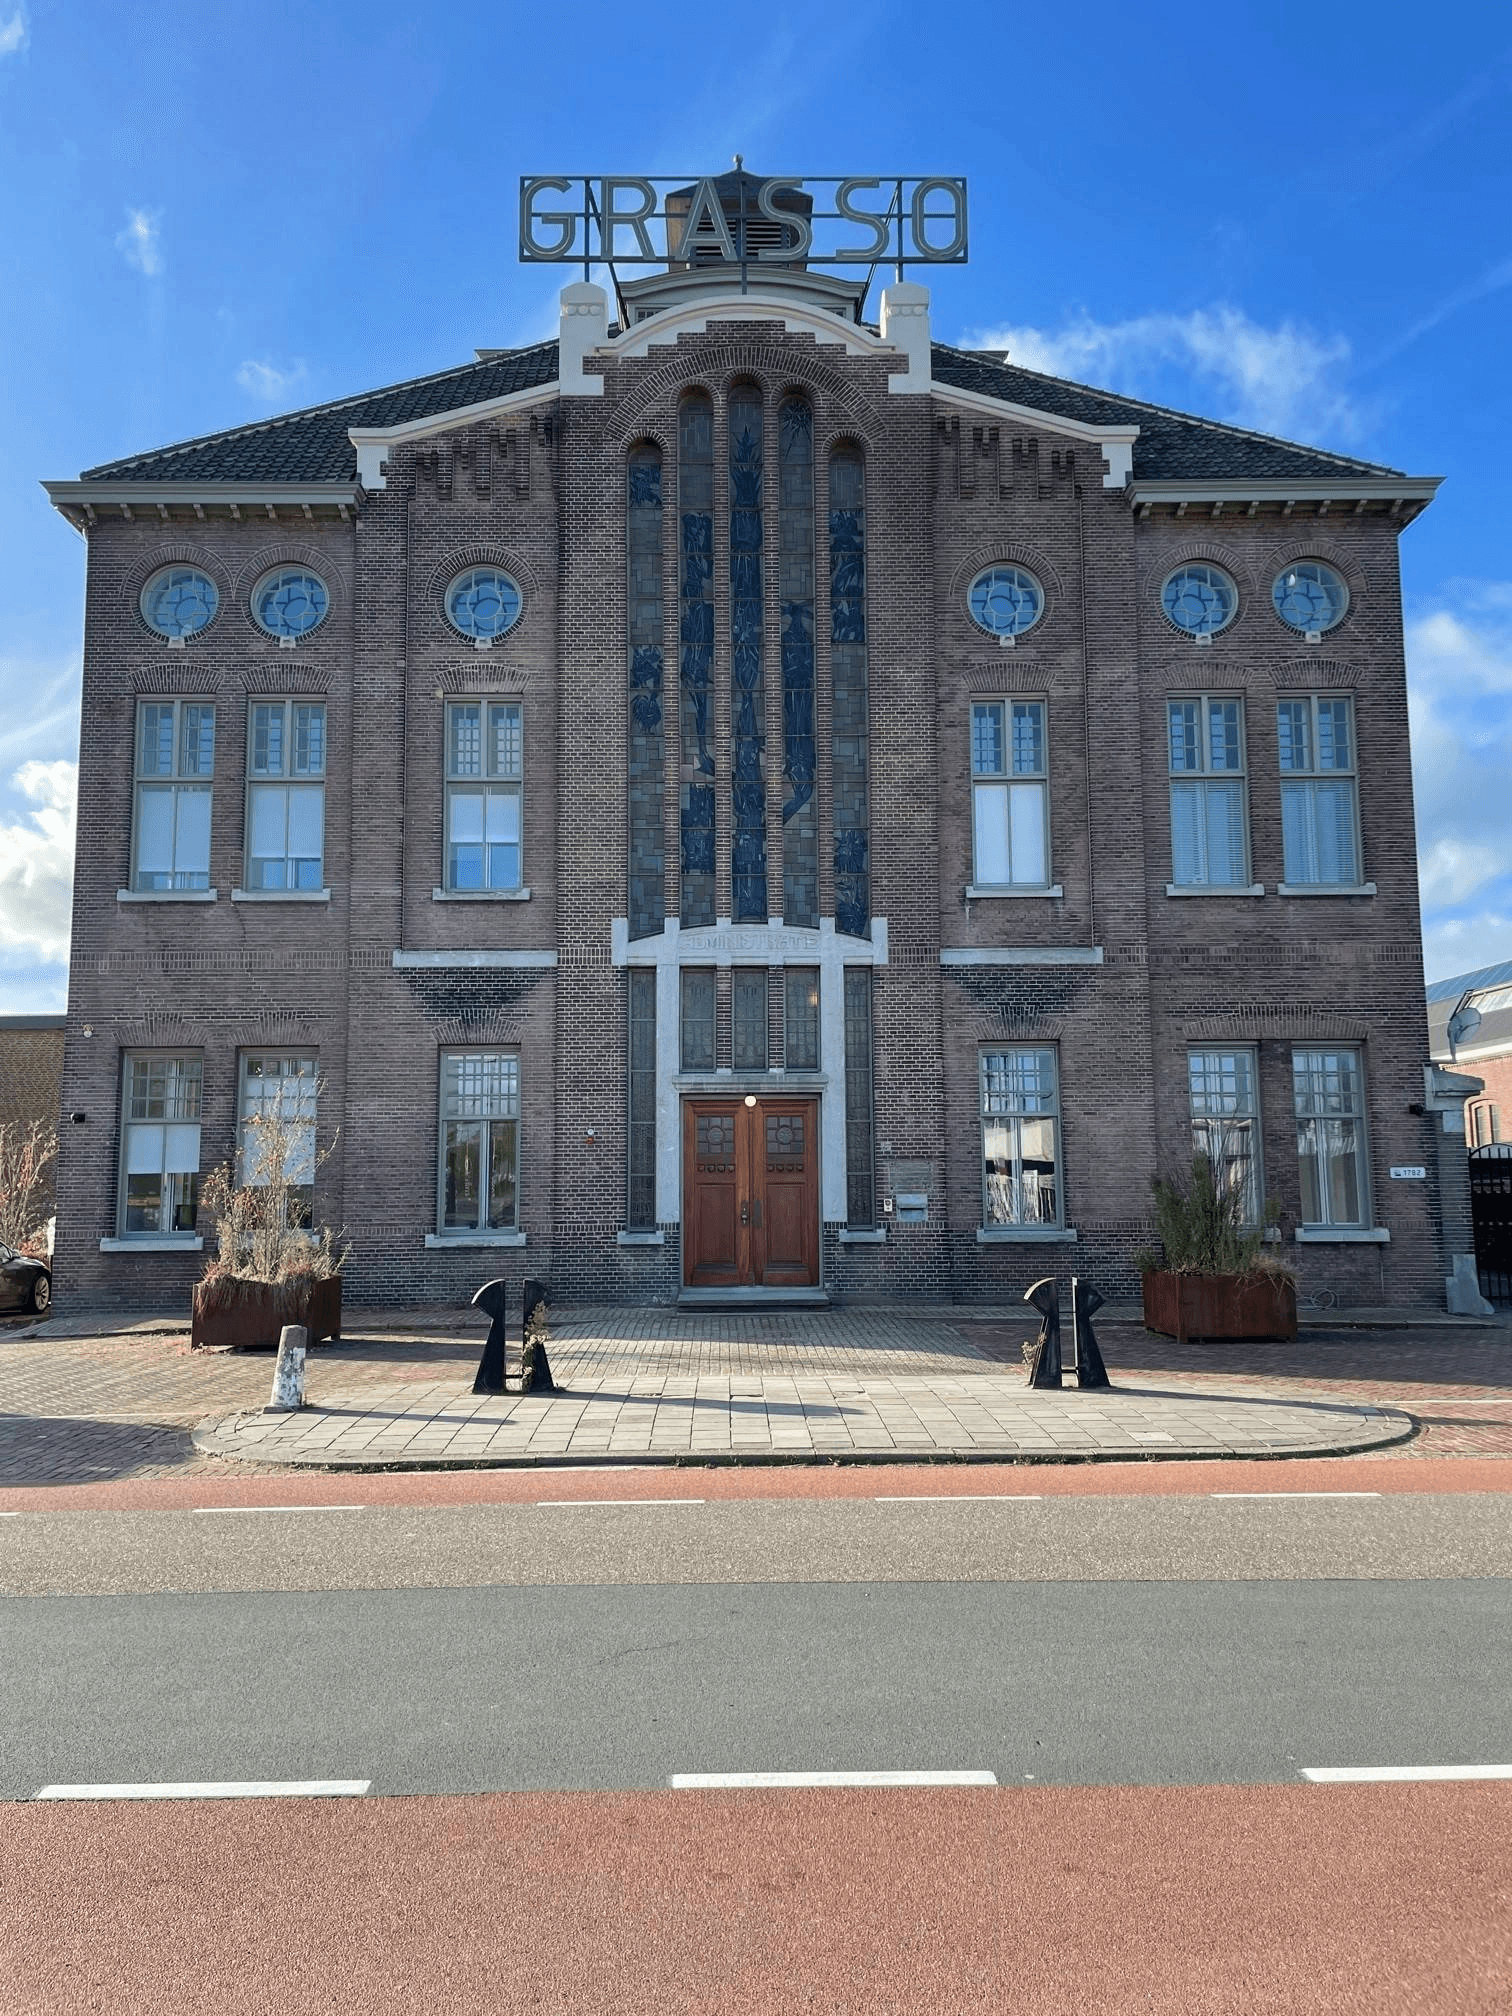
column 1403, row 1426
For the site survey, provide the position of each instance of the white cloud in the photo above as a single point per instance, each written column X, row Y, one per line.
column 1281, row 380
column 266, row 381
column 14, row 34
column 138, row 241
column 1459, row 666
column 36, row 862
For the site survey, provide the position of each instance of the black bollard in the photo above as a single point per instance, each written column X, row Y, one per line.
column 493, row 1377
column 1045, row 1371
column 535, row 1369
column 1085, row 1303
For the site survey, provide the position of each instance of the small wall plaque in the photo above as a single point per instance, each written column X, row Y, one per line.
column 1409, row 1172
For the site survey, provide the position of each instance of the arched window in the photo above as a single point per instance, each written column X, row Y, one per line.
column 849, row 753
column 695, row 507
column 643, row 607
column 800, row 826
column 748, row 857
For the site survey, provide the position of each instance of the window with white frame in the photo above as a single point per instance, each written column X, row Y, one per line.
column 1319, row 806
column 275, row 1138
column 1485, row 1124
column 1330, row 1100
column 1020, row 1096
column 1222, row 1085
column 480, row 1142
column 286, row 767
column 1010, row 810
column 175, row 762
column 484, row 762
column 160, row 1144
column 1209, row 823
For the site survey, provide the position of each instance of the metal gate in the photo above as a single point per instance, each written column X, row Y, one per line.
column 1491, row 1212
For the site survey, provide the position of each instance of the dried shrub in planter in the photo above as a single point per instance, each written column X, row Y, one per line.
column 1202, row 1226
column 262, row 1231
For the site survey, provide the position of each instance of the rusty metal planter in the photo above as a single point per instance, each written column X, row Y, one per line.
column 1208, row 1306
column 258, row 1310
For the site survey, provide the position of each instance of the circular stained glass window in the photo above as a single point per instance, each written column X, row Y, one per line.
column 290, row 602
column 1005, row 601
column 483, row 603
column 1200, row 599
column 178, row 601
column 1310, row 596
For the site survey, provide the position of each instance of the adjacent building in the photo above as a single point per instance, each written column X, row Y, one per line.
column 747, row 800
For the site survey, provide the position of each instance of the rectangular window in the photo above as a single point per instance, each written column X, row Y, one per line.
column 1223, row 1085
column 1319, row 807
column 175, row 762
column 748, row 1010
column 1209, row 837
column 1330, row 1101
column 160, row 1145
column 276, row 1128
column 800, row 1017
column 697, row 1017
column 286, row 766
column 1020, row 1137
column 484, row 768
column 860, row 1177
column 1009, row 795
column 640, row 1202
column 480, row 1144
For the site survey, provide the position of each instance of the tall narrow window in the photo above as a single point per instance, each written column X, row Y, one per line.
column 276, row 1128
column 800, row 820
column 174, row 767
column 695, row 505
column 860, row 1178
column 1319, row 809
column 849, row 668
column 640, row 1202
column 1226, row 1121
column 160, row 1145
column 697, row 1012
column 1208, row 826
column 480, row 1142
column 286, row 764
column 748, row 859
column 484, row 766
column 1020, row 1138
column 748, row 1016
column 1330, row 1101
column 801, row 1018
column 643, row 606
column 1009, row 795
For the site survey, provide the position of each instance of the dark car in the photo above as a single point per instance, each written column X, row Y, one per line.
column 24, row 1283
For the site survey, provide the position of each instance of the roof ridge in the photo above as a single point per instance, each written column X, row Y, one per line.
column 328, row 406
column 1173, row 412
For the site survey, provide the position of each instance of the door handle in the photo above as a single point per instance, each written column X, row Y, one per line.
column 745, row 1214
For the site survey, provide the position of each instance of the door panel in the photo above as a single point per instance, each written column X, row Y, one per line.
column 751, row 1193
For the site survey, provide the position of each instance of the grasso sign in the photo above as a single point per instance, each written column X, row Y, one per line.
column 643, row 220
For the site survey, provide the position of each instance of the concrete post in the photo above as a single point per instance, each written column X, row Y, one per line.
column 289, row 1372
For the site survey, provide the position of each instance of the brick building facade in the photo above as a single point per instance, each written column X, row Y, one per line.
column 750, row 802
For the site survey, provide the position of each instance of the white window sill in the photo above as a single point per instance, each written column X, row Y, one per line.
column 437, row 1242
column 1214, row 889
column 641, row 1238
column 977, row 891
column 280, row 895
column 153, row 1242
column 480, row 895
column 861, row 1237
column 1027, row 1235
column 1342, row 1235
column 1325, row 888
column 167, row 895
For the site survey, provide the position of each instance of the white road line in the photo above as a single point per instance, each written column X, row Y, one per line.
column 1294, row 1494
column 277, row 1508
column 718, row 1781
column 1400, row 1774
column 211, row 1788
column 561, row 1504
column 966, row 1497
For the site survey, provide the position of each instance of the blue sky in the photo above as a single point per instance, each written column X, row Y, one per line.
column 1291, row 216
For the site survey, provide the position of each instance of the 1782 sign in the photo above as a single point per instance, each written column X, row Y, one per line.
column 646, row 220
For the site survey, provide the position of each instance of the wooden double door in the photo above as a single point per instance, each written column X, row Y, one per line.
column 750, row 1193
